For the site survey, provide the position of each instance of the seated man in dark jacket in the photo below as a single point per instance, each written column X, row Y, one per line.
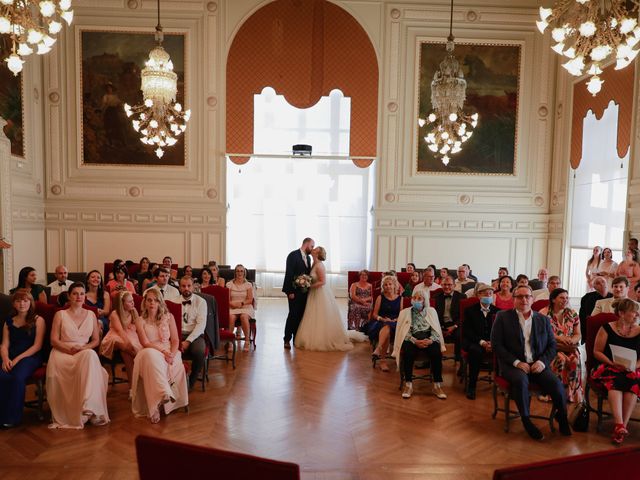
column 524, row 344
column 476, row 336
column 588, row 302
column 447, row 305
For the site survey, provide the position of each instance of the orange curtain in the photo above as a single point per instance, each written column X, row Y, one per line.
column 303, row 49
column 618, row 86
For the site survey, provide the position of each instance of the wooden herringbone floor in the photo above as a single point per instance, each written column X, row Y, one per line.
column 329, row 412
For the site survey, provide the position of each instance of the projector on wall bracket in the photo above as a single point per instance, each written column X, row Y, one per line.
column 302, row 150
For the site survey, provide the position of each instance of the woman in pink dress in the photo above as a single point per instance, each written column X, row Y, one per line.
column 122, row 332
column 76, row 382
column 120, row 282
column 241, row 302
column 159, row 379
column 630, row 267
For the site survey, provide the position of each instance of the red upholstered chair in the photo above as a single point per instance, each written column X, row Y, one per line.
column 53, row 300
column 502, row 385
column 181, row 460
column 175, row 309
column 539, row 305
column 47, row 312
column 137, row 301
column 464, row 355
column 615, row 464
column 221, row 295
column 593, row 325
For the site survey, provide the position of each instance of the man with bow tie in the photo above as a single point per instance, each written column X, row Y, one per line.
column 61, row 284
column 298, row 263
column 194, row 319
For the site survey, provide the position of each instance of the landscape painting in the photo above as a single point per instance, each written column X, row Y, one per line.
column 111, row 67
column 492, row 75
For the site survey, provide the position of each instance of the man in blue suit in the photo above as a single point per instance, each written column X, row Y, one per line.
column 524, row 344
column 298, row 263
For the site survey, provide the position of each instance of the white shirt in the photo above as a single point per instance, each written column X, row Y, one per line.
column 304, row 258
column 459, row 283
column 57, row 289
column 525, row 325
column 426, row 291
column 604, row 305
column 194, row 317
column 168, row 293
column 541, row 294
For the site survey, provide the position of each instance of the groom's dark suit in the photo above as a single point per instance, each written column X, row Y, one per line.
column 295, row 268
column 508, row 343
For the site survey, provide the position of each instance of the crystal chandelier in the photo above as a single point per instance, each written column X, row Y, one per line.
column 31, row 24
column 590, row 32
column 449, row 126
column 159, row 118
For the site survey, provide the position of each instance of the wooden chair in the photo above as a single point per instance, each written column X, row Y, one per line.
column 502, row 385
column 180, row 460
column 227, row 337
column 616, row 464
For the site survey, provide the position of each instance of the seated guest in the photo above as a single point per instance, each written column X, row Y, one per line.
column 503, row 272
column 476, row 339
column 97, row 297
column 470, row 273
column 144, row 265
column 76, row 382
column 411, row 267
column 241, row 302
column 116, row 264
column 419, row 328
column 588, row 302
column 194, row 320
column 620, row 290
column 621, row 381
column 413, row 281
column 167, row 263
column 443, row 273
column 159, row 378
column 382, row 327
column 122, row 331
column 566, row 328
column 361, row 301
column 27, row 281
column 22, row 338
column 463, row 278
column 161, row 280
column 187, row 271
column 447, row 305
column 629, row 267
column 543, row 293
column 216, row 279
column 524, row 345
column 61, row 283
column 120, row 282
column 146, row 279
column 428, row 284
column 503, row 299
column 541, row 280
column 522, row 279
column 636, row 292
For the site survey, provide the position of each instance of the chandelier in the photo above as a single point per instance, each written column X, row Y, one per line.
column 449, row 126
column 159, row 119
column 590, row 32
column 32, row 25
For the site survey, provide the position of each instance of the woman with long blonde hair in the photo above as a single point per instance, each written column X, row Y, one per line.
column 122, row 333
column 159, row 378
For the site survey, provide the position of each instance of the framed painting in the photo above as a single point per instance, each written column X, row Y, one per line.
column 11, row 105
column 111, row 66
column 492, row 73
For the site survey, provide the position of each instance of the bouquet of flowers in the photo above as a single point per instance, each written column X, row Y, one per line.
column 303, row 282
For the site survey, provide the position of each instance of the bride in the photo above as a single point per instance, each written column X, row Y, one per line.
column 321, row 327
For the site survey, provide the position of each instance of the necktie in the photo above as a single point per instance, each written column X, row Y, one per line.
column 308, row 261
column 62, row 284
column 162, row 291
column 186, row 302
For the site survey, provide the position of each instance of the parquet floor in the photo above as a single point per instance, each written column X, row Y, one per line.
column 329, row 412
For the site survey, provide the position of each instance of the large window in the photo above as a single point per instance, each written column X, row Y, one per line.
column 599, row 196
column 276, row 199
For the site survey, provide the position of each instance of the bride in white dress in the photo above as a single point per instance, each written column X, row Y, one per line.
column 322, row 328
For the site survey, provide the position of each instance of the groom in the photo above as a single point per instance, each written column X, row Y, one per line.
column 298, row 263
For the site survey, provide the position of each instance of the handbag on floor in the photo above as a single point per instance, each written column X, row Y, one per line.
column 580, row 417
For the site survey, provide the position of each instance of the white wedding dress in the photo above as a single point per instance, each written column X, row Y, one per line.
column 321, row 327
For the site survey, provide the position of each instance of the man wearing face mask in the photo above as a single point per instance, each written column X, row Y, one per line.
column 419, row 328
column 476, row 333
